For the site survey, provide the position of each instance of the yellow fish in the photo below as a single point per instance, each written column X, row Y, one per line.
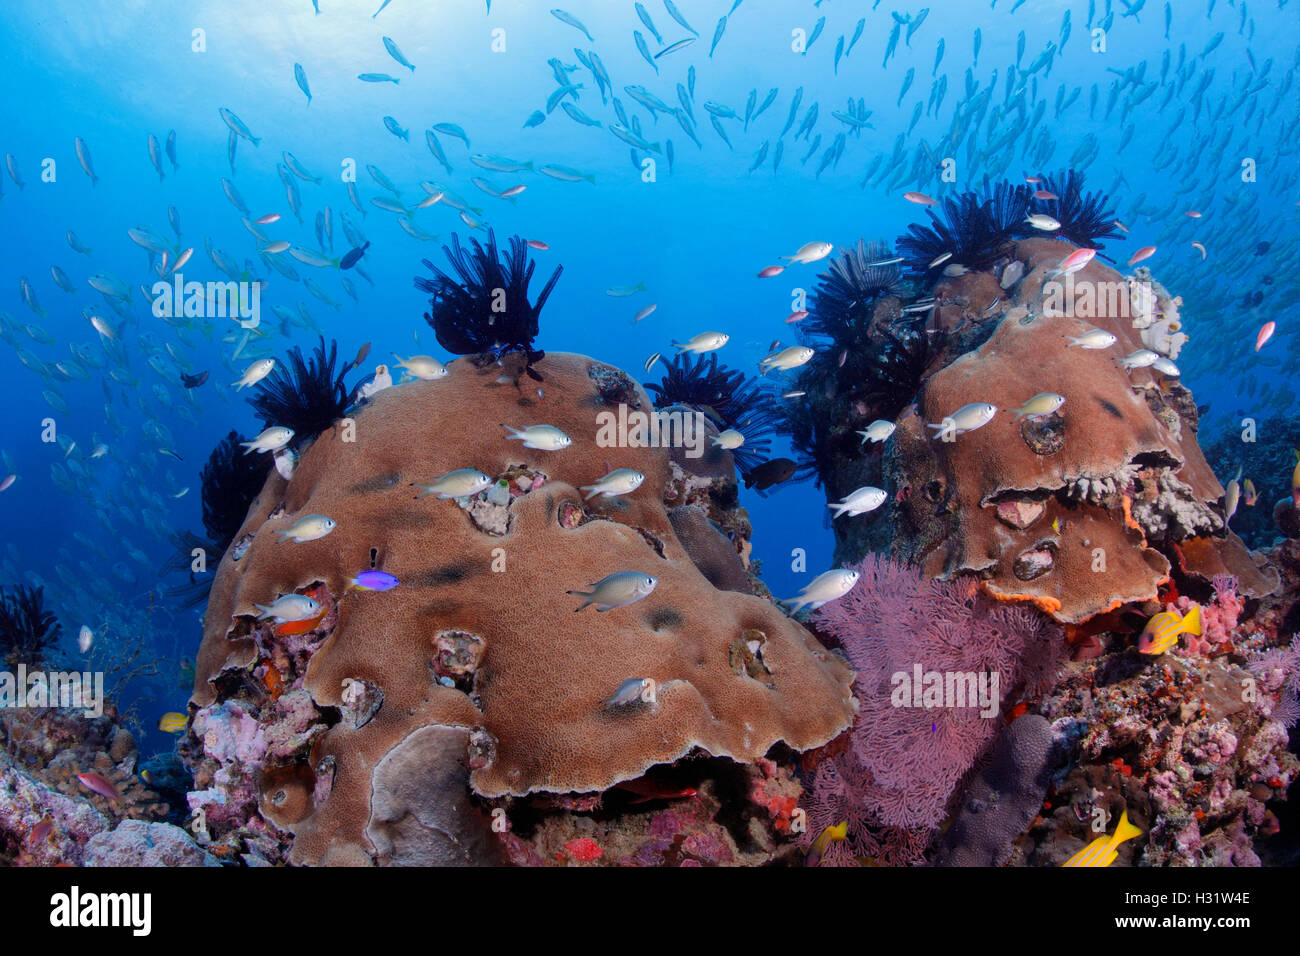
column 1161, row 632
column 173, row 723
column 1103, row 850
column 836, row 833
column 1295, row 480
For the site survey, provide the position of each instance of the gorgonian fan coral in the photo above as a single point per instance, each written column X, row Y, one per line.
column 26, row 627
column 485, row 307
column 728, row 397
column 1085, row 218
column 895, row 620
column 848, row 289
column 306, row 395
column 231, row 480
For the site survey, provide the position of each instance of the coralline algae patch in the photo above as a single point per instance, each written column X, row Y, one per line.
column 474, row 677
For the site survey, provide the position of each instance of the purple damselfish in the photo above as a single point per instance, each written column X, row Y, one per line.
column 372, row 580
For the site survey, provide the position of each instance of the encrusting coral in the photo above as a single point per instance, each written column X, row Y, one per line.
column 475, row 667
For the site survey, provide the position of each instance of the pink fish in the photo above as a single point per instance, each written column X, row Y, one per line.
column 1077, row 260
column 537, row 244
column 797, row 316
column 41, row 831
column 513, row 191
column 269, row 218
column 921, row 199
column 1265, row 333
column 100, row 785
column 1033, row 179
column 1044, row 194
column 1146, row 252
column 1192, row 214
column 771, row 271
column 4, row 485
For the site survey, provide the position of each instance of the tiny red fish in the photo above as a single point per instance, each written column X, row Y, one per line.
column 771, row 271
column 1033, row 179
column 100, row 785
column 41, row 831
column 269, row 218
column 1265, row 333
column 649, row 790
column 1192, row 214
column 921, row 199
column 1044, row 194
column 797, row 316
column 1146, row 252
column 537, row 244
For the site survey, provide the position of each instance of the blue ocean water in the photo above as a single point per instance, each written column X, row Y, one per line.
column 1185, row 99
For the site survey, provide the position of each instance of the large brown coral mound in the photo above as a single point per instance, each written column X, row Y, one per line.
column 1067, row 511
column 480, row 633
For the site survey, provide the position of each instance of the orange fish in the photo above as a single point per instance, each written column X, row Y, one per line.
column 41, row 831
column 290, row 628
column 1265, row 333
column 1146, row 252
column 921, row 199
column 1044, row 194
column 100, row 785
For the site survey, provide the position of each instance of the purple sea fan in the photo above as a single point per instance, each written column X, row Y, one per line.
column 895, row 620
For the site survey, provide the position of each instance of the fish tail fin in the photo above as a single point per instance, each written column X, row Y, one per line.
column 1018, row 412
column 586, row 595
column 1125, row 830
column 1192, row 621
column 595, row 491
column 514, row 432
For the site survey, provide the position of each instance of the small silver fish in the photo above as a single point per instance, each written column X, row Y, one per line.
column 616, row 590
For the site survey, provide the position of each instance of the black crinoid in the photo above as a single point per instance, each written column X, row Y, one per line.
column 231, row 480
column 974, row 230
column 728, row 397
column 484, row 307
column 1085, row 218
column 847, row 291
column 307, row 395
column 845, row 389
column 26, row 627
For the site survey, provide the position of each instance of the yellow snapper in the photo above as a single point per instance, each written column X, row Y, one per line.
column 1161, row 632
column 1103, row 850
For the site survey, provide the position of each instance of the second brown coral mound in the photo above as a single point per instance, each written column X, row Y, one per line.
column 479, row 643
column 1071, row 511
